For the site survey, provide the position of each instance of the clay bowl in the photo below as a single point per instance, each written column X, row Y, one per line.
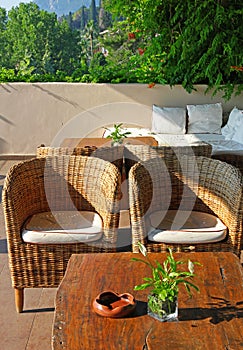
column 111, row 304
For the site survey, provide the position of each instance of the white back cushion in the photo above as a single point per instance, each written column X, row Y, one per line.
column 206, row 118
column 168, row 120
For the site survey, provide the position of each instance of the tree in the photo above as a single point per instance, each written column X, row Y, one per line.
column 189, row 42
column 104, row 17
column 36, row 39
column 89, row 40
column 4, row 57
column 28, row 29
column 93, row 13
column 82, row 19
column 70, row 20
column 66, row 48
column 126, row 57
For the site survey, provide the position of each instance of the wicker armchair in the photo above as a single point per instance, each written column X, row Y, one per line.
column 64, row 183
column 192, row 183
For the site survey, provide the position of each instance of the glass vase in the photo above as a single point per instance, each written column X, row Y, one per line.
column 116, row 143
column 162, row 310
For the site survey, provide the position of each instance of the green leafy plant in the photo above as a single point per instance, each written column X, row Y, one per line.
column 166, row 279
column 117, row 135
column 185, row 42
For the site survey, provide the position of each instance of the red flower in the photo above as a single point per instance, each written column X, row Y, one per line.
column 140, row 51
column 131, row 36
column 240, row 69
column 151, row 85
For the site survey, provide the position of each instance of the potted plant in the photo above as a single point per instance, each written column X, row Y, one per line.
column 117, row 135
column 165, row 280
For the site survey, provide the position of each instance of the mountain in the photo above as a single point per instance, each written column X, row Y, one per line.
column 63, row 7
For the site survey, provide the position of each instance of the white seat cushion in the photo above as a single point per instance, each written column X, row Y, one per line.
column 185, row 227
column 63, row 227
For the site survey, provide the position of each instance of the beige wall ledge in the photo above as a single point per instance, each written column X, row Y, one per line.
column 46, row 113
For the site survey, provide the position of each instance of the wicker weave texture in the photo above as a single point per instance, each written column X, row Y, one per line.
column 110, row 154
column 231, row 158
column 138, row 153
column 191, row 183
column 61, row 151
column 57, row 183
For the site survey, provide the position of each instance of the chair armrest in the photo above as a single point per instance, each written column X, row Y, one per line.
column 231, row 158
column 220, row 188
column 23, row 195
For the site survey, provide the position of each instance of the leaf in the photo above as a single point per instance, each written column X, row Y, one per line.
column 163, row 295
column 142, row 286
column 143, row 261
column 148, row 279
column 142, row 249
column 189, row 284
column 190, row 266
column 160, row 269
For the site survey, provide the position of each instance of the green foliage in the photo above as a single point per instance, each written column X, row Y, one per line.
column 209, row 44
column 96, row 68
column 189, row 42
column 36, row 43
column 127, row 60
column 150, row 41
column 166, row 278
column 7, row 75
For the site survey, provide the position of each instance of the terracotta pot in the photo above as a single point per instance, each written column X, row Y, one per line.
column 112, row 304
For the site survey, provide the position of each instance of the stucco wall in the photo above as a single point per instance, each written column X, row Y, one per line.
column 32, row 114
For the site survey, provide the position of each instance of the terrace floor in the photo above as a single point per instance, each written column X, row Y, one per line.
column 32, row 329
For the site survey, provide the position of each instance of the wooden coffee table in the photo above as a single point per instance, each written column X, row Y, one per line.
column 210, row 320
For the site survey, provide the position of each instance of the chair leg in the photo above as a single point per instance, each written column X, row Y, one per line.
column 19, row 299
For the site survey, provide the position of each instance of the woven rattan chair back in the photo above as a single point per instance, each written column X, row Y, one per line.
column 141, row 153
column 44, row 151
column 110, row 154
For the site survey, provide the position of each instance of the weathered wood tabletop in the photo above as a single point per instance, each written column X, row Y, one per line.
column 100, row 141
column 211, row 319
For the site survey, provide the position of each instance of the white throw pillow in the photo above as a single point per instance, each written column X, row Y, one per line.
column 238, row 136
column 233, row 130
column 168, row 120
column 205, row 119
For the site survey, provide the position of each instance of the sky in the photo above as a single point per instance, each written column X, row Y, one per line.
column 8, row 4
